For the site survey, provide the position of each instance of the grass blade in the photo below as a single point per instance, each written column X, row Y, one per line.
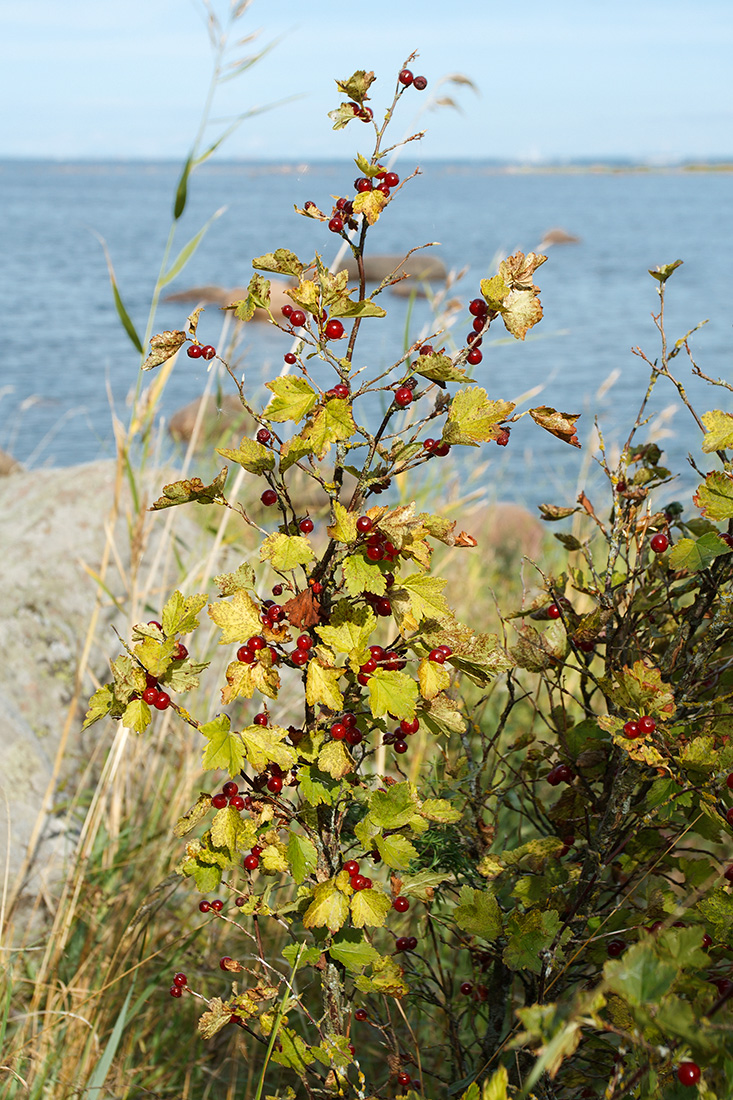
column 179, row 204
column 122, row 313
column 188, row 250
column 102, row 1068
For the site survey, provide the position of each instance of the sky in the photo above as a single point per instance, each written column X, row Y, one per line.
column 647, row 80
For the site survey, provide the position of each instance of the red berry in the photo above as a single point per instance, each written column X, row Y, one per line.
column 647, row 724
column 208, row 352
column 502, row 438
column 260, row 719
column 403, row 396
column 407, row 727
column 400, row 905
column 204, row 906
column 154, row 622
column 400, row 746
column 478, row 323
column 363, row 524
column 180, row 979
column 420, row 82
column 334, row 330
column 223, row 962
column 237, row 802
column 338, row 731
column 466, row 988
column 442, row 449
column 162, row 701
column 341, row 390
column 632, row 731
column 245, row 655
column 269, row 497
column 565, row 774
column 300, row 658
column 411, row 943
column 194, row 351
column 401, row 943
column 377, row 652
column 297, row 318
column 478, row 307
column 336, row 224
column 358, row 882
column 429, row 445
column 219, row 801
column 728, row 873
column 403, row 1079
column 256, row 643
column 180, row 652
column 688, row 1073
column 360, row 1015
column 287, row 310
column 263, row 436
column 240, row 901
column 383, row 607
column 351, row 867
column 290, row 358
column 659, row 542
column 150, row 695
column 251, row 862
column 217, row 905
column 366, row 114
column 354, row 736
column 405, row 77
column 175, row 991
column 437, row 656
column 316, row 588
column 277, row 590
column 553, row 611
column 256, row 850
column 446, row 650
column 230, row 788
column 306, row 525
column 304, row 641
column 363, row 184
column 474, row 357
column 616, row 948
column 707, row 941
column 274, row 784
column 391, row 179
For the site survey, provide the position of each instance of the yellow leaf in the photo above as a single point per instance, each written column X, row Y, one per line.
column 329, row 908
column 335, row 759
column 322, row 686
column 433, row 678
column 238, row 618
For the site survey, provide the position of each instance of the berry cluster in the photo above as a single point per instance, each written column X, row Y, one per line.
column 405, row 77
column 640, row 728
column 344, row 728
column 252, row 861
column 180, row 981
column 229, row 796
column 398, row 737
column 200, row 351
column 479, row 310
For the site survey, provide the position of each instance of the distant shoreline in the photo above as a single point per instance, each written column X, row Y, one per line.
column 485, row 167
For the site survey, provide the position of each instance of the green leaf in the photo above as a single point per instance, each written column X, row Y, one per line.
column 122, row 313
column 396, row 851
column 349, row 629
column 251, row 455
column 315, row 789
column 179, row 204
column 242, row 578
column 322, row 685
column 393, row 693
column 663, row 272
column 714, row 497
column 357, row 86
column 641, row 976
column 225, row 749
column 423, row 884
column 282, row 261
column 193, row 489
column 386, row 978
column 717, row 908
column 478, row 913
column 393, row 808
column 473, row 418
column 265, row 745
column 344, row 307
column 440, row 810
column 100, row 705
column 228, row 830
column 334, row 758
column 425, row 595
column 369, row 908
column 350, row 948
column 362, row 575
column 306, row 955
column 439, row 368
column 330, row 423
column 238, row 618
column 258, row 297
column 329, row 908
column 696, row 554
column 343, row 529
column 188, row 250
column 294, row 398
column 293, row 451
column 302, row 857
column 286, row 552
column 293, row 1052
column 136, row 716
column 527, row 935
column 180, row 613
